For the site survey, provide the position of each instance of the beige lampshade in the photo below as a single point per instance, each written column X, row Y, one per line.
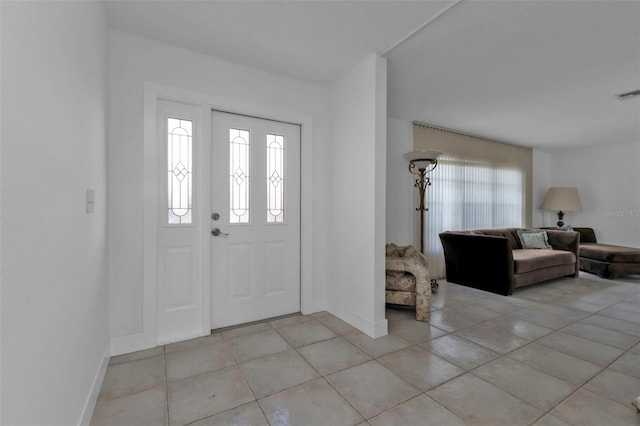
column 561, row 199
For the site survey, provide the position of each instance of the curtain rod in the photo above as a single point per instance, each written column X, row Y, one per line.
column 470, row 135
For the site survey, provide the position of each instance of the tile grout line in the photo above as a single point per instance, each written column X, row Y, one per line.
column 412, row 344
column 236, row 364
column 166, row 384
column 470, row 371
column 579, row 387
column 425, row 393
column 501, row 314
column 415, row 345
column 323, row 378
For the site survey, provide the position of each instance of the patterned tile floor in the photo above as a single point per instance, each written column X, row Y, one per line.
column 565, row 352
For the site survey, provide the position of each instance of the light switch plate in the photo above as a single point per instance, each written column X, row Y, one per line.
column 91, row 201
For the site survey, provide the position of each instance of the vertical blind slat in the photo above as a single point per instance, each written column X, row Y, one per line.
column 467, row 195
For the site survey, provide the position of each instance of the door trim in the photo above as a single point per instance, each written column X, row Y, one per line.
column 146, row 337
column 253, row 116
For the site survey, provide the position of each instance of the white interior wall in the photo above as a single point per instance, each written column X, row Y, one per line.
column 541, row 183
column 133, row 61
column 357, row 214
column 54, row 277
column 608, row 181
column 400, row 191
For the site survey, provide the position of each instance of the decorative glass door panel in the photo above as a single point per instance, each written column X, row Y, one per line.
column 239, row 146
column 180, row 170
column 275, row 178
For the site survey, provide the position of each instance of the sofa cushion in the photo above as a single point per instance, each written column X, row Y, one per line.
column 610, row 253
column 513, row 242
column 533, row 239
column 527, row 260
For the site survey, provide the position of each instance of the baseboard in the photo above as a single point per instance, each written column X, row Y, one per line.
column 372, row 329
column 92, row 398
column 175, row 339
column 141, row 341
column 380, row 328
column 132, row 343
column 316, row 305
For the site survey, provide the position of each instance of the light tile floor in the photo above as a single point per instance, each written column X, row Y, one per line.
column 562, row 352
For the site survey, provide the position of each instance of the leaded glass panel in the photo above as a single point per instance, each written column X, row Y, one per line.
column 180, row 170
column 275, row 178
column 239, row 176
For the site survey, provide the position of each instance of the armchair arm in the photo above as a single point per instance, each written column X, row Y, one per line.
column 587, row 235
column 410, row 265
column 484, row 262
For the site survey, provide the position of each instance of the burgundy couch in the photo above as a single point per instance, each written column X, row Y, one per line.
column 494, row 260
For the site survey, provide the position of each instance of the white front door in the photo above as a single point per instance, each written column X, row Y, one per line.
column 255, row 219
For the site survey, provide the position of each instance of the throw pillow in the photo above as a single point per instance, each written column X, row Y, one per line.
column 534, row 239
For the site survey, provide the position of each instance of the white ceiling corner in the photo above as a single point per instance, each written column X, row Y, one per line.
column 540, row 74
column 312, row 41
column 534, row 73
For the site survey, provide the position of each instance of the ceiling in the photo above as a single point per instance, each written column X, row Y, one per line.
column 313, row 41
column 533, row 73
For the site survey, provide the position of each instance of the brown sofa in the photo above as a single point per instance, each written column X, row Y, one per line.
column 606, row 260
column 494, row 260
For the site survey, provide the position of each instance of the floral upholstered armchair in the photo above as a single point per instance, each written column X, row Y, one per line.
column 407, row 279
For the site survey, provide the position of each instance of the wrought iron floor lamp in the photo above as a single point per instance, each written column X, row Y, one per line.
column 424, row 162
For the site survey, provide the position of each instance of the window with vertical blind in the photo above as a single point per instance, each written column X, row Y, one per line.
column 478, row 184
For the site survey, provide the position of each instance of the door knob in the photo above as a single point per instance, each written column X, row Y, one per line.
column 216, row 232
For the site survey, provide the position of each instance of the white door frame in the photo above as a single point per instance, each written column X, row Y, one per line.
column 147, row 337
